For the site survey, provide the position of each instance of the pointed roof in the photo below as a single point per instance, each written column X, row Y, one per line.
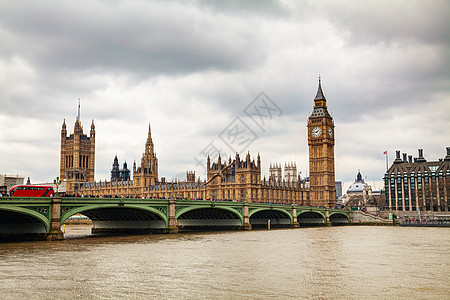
column 116, row 163
column 319, row 95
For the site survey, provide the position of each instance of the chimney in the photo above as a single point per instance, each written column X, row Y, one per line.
column 421, row 158
column 410, row 159
column 397, row 157
column 415, row 159
column 404, row 157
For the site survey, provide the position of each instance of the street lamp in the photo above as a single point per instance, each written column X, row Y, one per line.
column 57, row 182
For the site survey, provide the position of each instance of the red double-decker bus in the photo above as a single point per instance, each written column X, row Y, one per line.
column 31, row 191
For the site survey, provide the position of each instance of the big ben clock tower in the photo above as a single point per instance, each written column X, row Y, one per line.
column 321, row 153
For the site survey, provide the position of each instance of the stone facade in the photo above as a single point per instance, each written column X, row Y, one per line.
column 418, row 185
column 77, row 160
column 233, row 179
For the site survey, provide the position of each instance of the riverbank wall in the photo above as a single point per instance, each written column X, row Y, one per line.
column 364, row 218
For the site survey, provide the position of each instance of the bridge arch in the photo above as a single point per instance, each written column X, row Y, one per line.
column 114, row 217
column 208, row 216
column 16, row 219
column 277, row 216
column 311, row 218
column 338, row 218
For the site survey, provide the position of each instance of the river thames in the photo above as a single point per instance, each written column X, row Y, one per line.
column 350, row 262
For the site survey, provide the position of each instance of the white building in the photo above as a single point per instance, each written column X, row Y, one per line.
column 359, row 191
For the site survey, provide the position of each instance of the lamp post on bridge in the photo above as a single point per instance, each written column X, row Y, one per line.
column 57, row 183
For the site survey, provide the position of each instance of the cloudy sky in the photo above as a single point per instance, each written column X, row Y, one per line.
column 195, row 70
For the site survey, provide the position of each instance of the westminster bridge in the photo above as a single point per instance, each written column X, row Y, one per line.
column 43, row 217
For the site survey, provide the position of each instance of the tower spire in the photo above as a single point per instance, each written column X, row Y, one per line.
column 78, row 112
column 149, row 132
column 149, row 143
column 319, row 95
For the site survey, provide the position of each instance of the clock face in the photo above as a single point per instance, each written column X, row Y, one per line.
column 316, row 132
column 330, row 132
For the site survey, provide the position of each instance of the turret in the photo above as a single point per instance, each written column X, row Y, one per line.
column 92, row 130
column 64, row 130
column 258, row 161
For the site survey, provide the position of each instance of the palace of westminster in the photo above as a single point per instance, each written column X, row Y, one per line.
column 236, row 178
column 409, row 186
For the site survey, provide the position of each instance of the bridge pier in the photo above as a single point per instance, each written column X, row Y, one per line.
column 295, row 223
column 172, row 225
column 246, row 219
column 327, row 217
column 55, row 233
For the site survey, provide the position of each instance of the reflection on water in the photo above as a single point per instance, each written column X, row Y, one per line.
column 338, row 262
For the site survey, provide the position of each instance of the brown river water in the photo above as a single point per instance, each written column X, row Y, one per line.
column 351, row 262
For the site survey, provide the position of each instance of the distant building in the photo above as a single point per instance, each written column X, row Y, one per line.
column 275, row 172
column 358, row 193
column 338, row 185
column 119, row 174
column 290, row 172
column 413, row 185
column 61, row 187
column 8, row 181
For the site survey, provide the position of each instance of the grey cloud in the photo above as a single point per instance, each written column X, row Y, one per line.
column 147, row 38
column 191, row 68
column 265, row 8
column 390, row 21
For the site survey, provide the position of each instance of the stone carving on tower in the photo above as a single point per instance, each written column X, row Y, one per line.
column 77, row 160
column 321, row 140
